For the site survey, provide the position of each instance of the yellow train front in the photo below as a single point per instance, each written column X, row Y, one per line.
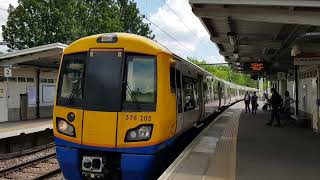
column 122, row 100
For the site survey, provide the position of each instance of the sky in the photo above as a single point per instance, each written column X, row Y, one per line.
column 172, row 22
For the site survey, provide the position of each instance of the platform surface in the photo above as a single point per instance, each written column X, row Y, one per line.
column 211, row 107
column 10, row 129
column 238, row 145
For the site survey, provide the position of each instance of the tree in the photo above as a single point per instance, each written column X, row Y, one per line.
column 226, row 73
column 35, row 22
column 95, row 17
column 38, row 22
column 133, row 21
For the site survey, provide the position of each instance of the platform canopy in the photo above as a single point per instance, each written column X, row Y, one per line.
column 46, row 56
column 260, row 31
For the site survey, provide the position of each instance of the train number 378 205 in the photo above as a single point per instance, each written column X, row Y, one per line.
column 138, row 117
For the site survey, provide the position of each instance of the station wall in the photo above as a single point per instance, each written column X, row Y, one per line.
column 21, row 93
column 307, row 93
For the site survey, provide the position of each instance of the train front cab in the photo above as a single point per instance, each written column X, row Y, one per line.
column 114, row 110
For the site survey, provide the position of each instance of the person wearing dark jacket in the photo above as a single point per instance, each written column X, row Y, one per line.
column 254, row 102
column 275, row 104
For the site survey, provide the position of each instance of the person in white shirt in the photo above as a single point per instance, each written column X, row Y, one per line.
column 247, row 101
column 286, row 104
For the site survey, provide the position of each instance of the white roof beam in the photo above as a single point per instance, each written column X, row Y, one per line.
column 30, row 57
column 310, row 47
column 226, row 53
column 261, row 15
column 255, row 43
column 299, row 3
column 256, row 56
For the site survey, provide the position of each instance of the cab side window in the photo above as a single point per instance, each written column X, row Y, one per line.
column 190, row 92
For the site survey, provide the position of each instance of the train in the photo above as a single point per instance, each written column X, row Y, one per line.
column 122, row 99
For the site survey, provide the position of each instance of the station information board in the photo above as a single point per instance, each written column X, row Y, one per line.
column 256, row 66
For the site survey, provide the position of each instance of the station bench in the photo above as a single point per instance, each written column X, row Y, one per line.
column 301, row 120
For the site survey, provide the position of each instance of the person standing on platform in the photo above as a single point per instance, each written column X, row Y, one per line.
column 275, row 104
column 254, row 103
column 286, row 104
column 247, row 99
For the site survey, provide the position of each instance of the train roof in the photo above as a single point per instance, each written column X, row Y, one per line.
column 146, row 45
column 215, row 77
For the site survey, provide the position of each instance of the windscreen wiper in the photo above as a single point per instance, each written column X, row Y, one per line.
column 132, row 95
column 74, row 91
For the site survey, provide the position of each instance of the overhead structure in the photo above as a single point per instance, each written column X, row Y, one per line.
column 27, row 82
column 45, row 56
column 259, row 31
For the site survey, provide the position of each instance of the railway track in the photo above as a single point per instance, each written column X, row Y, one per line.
column 25, row 152
column 39, row 168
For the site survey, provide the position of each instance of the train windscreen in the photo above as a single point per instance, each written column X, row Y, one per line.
column 71, row 82
column 103, row 80
column 140, row 87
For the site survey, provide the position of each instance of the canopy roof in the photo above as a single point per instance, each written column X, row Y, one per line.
column 46, row 56
column 259, row 30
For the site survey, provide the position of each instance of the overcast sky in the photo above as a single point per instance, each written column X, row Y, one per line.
column 182, row 32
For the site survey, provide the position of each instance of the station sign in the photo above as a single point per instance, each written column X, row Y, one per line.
column 303, row 61
column 256, row 66
column 7, row 71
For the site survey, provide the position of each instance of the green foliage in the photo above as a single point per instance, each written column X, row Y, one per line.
column 132, row 21
column 265, row 85
column 94, row 17
column 226, row 73
column 38, row 22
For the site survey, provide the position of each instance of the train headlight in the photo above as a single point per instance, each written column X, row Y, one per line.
column 65, row 128
column 141, row 133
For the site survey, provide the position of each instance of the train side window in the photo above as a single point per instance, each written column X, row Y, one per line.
column 189, row 94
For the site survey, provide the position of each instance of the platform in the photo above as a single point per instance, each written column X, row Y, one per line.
column 211, row 107
column 240, row 146
column 10, row 129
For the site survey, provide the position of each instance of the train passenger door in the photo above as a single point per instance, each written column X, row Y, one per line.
column 179, row 96
column 201, row 96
